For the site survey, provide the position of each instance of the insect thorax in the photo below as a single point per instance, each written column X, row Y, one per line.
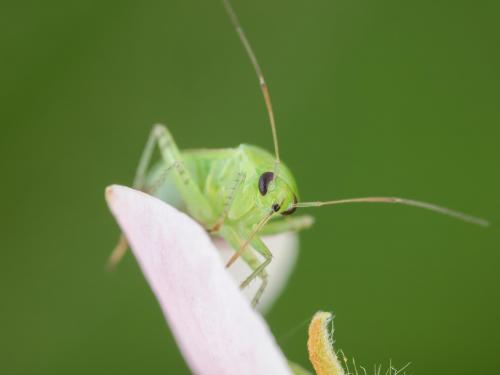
column 229, row 179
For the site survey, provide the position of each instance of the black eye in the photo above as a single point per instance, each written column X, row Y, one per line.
column 291, row 210
column 264, row 181
column 276, row 207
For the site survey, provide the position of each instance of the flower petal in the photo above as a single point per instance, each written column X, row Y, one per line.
column 215, row 327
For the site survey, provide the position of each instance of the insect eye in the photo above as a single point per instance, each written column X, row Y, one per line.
column 264, row 181
column 276, row 207
column 291, row 210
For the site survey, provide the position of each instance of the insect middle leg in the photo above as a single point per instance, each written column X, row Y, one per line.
column 197, row 204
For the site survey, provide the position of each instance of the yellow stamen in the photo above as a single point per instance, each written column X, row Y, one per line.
column 320, row 346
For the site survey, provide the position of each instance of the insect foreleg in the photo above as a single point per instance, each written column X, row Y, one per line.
column 259, row 269
column 289, row 224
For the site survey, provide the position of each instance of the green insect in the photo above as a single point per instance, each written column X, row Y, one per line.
column 237, row 193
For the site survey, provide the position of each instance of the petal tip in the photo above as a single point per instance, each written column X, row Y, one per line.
column 108, row 192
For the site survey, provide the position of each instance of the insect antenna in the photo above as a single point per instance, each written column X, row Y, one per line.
column 258, row 70
column 403, row 201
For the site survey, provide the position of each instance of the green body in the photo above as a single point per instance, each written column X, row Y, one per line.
column 223, row 190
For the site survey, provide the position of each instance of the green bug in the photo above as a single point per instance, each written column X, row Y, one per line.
column 237, row 193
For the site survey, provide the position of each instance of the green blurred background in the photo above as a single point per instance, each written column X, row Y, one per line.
column 386, row 97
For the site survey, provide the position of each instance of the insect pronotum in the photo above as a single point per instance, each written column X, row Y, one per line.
column 238, row 193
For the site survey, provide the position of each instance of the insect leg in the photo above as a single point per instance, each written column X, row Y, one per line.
column 289, row 224
column 197, row 204
column 142, row 168
column 236, row 241
column 140, row 184
column 240, row 178
column 192, row 196
column 259, row 269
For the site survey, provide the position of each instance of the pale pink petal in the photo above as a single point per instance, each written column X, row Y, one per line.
column 285, row 250
column 215, row 328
